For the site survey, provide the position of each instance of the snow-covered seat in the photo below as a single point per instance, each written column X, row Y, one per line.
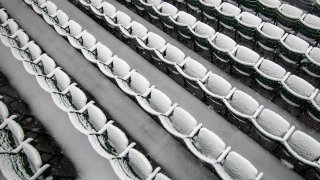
column 71, row 28
column 288, row 16
column 268, row 8
column 227, row 15
column 293, row 48
column 115, row 67
column 221, row 46
column 303, row 151
column 134, row 85
column 180, row 123
column 104, row 8
column 311, row 63
column 139, row 4
column 118, row 19
column 244, row 59
column 55, row 81
column 192, row 71
column 49, row 10
column 99, row 53
column 202, row 34
column 310, row 26
column 235, row 166
column 70, row 99
column 215, row 88
column 44, row 7
column 84, row 40
column 133, row 31
column 29, row 52
column 59, row 18
column 269, row 74
column 296, row 91
column 270, row 129
column 313, row 108
column 150, row 43
column 88, row 120
column 165, row 12
column 42, row 66
column 156, row 102
column 151, row 8
column 87, row 3
column 3, row 16
column 12, row 138
column 133, row 165
column 9, row 27
column 207, row 146
column 247, row 24
column 183, row 23
column 18, row 39
column 269, row 35
column 209, row 8
column 243, row 108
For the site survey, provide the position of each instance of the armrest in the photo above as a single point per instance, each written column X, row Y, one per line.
column 126, row 151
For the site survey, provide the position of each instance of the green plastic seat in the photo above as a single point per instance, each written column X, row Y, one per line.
column 310, row 26
column 182, row 23
column 268, row 8
column 221, row 45
column 151, row 8
column 193, row 4
column 288, row 16
column 292, row 48
column 227, row 15
column 268, row 36
column 311, row 63
column 247, row 24
column 209, row 8
column 165, row 13
column 202, row 34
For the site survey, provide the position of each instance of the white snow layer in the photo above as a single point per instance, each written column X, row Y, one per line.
column 244, row 103
column 272, row 30
column 251, row 19
column 275, row 3
column 155, row 41
column 272, row 69
column 120, row 67
column 247, row 55
column 312, row 20
column 296, row 43
column 139, row 163
column 139, row 83
column 183, row 121
column 218, row 85
column 315, row 54
column 299, row 86
column 159, row 101
column 168, row 8
column 291, row 11
column 194, row 69
column 204, row 29
column 154, row 2
column 174, row 54
column 224, row 42
column 230, row 9
column 186, row 18
column 213, row 2
column 137, row 29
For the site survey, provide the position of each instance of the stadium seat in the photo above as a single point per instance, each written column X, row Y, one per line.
column 29, row 52
column 117, row 19
column 207, row 146
column 288, row 17
column 221, row 45
column 156, row 102
column 9, row 27
column 71, row 99
column 19, row 39
column 151, row 43
column 161, row 176
column 102, row 9
column 268, row 9
column 100, row 53
column 247, row 24
column 49, row 10
column 58, row 19
column 202, row 34
column 209, row 8
column 310, row 26
column 296, row 91
column 44, row 7
column 44, row 65
column 242, row 107
column 293, row 48
column 84, row 40
column 270, row 129
column 87, row 3
column 55, row 81
column 71, row 28
column 311, row 63
column 133, row 31
column 227, row 15
column 269, row 35
column 234, row 166
column 269, row 74
column 151, row 8
column 134, row 85
column 115, row 67
column 38, row 6
column 165, row 13
column 180, row 123
column 244, row 59
column 182, row 23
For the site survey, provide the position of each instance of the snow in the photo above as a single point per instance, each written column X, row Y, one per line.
column 120, row 67
column 3, row 16
column 96, row 117
column 161, row 176
column 237, row 167
column 155, row 41
column 33, row 155
column 108, row 9
column 117, row 138
column 13, row 166
column 246, row 55
column 194, row 69
column 213, row 2
column 251, row 19
column 16, row 130
column 274, row 3
column 230, row 9
column 155, row 3
column 183, row 121
column 209, row 144
column 291, row 11
column 51, row 7
column 174, row 54
column 204, row 29
column 317, row 99
column 186, row 18
column 159, row 101
column 272, row 69
column 62, row 18
column 75, row 28
column 139, row 163
column 312, row 20
column 315, row 54
column 122, row 18
column 273, row 123
column 138, row 29
column 88, row 40
column 244, row 103
column 218, row 85
column 272, row 30
column 296, row 43
column 300, row 86
column 305, row 146
column 168, row 8
column 224, row 42
column 103, row 53
column 139, row 83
